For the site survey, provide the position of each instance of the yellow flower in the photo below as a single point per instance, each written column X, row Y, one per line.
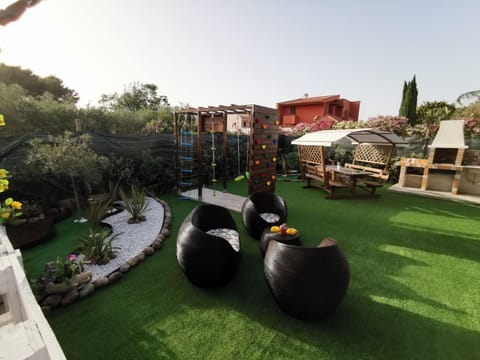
column 291, row 231
column 3, row 185
column 6, row 215
column 2, row 120
column 275, row 229
column 3, row 173
column 17, row 205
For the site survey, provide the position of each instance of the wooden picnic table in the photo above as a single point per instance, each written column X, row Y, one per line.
column 351, row 175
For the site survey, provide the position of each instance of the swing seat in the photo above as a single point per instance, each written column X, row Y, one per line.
column 239, row 178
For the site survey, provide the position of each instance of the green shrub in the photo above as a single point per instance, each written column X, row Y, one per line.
column 98, row 210
column 97, row 246
column 292, row 161
column 135, row 204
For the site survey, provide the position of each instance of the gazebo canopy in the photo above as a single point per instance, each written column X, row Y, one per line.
column 358, row 136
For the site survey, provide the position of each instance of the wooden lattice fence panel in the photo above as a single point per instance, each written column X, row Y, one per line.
column 373, row 154
column 311, row 153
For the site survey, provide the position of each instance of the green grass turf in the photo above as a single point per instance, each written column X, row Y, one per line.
column 67, row 235
column 413, row 291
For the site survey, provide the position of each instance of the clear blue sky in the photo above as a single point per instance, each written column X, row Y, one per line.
column 211, row 52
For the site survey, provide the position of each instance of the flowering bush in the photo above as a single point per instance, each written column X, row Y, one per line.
column 394, row 124
column 58, row 271
column 9, row 209
column 472, row 128
column 424, row 130
column 61, row 270
column 319, row 124
column 301, row 128
column 347, row 125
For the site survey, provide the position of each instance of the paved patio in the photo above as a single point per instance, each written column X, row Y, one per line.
column 472, row 199
column 227, row 200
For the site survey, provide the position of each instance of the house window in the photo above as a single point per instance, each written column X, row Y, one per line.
column 292, row 110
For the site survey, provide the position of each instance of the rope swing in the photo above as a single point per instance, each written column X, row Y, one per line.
column 241, row 177
column 212, row 132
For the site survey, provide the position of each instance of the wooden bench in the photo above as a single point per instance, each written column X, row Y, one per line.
column 371, row 182
column 328, row 185
column 314, row 170
column 375, row 159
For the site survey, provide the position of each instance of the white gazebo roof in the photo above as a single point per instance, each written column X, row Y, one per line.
column 358, row 136
column 450, row 135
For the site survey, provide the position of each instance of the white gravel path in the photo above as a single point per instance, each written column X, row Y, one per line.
column 132, row 238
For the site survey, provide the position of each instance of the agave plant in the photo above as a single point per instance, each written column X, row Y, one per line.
column 98, row 210
column 97, row 246
column 135, row 204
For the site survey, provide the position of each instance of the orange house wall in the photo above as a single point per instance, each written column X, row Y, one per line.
column 303, row 113
column 354, row 110
column 306, row 113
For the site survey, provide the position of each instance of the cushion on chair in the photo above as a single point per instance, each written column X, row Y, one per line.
column 207, row 249
column 270, row 218
column 256, row 206
column 230, row 235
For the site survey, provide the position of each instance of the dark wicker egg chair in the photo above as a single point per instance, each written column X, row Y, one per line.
column 207, row 260
column 259, row 203
column 307, row 283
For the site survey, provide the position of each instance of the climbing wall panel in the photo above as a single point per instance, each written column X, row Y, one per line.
column 263, row 149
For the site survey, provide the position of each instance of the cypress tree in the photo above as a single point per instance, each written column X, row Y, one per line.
column 408, row 107
column 402, row 103
column 412, row 102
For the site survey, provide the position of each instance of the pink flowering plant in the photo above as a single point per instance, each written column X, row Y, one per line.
column 472, row 128
column 60, row 270
column 301, row 128
column 396, row 124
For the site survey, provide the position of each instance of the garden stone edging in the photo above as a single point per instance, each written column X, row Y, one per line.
column 80, row 291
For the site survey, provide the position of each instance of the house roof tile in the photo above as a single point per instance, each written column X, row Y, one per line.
column 310, row 100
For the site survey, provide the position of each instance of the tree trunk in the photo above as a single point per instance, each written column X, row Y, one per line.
column 75, row 192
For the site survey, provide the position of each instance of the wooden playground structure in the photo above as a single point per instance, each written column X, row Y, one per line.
column 193, row 124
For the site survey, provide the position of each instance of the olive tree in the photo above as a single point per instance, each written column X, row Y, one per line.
column 70, row 156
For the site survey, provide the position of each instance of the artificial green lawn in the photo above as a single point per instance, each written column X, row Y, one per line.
column 413, row 291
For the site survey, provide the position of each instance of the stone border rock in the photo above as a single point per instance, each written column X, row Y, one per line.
column 80, row 291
